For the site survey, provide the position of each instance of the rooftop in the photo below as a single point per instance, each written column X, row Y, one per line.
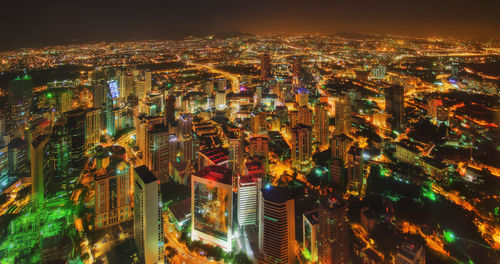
column 145, row 174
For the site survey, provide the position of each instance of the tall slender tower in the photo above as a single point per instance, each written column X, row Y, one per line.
column 333, row 231
column 342, row 117
column 321, row 124
column 301, row 147
column 394, row 105
column 265, row 67
column 39, row 168
column 148, row 221
column 276, row 225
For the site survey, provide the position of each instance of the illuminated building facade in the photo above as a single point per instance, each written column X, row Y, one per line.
column 333, row 239
column 410, row 253
column 148, row 221
column 342, row 115
column 212, row 206
column 92, row 128
column 39, row 169
column 156, row 152
column 310, row 226
column 321, row 124
column 113, row 194
column 301, row 147
column 276, row 225
column 356, row 174
column 249, row 184
column 265, row 67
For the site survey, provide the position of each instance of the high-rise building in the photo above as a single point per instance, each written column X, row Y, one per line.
column 297, row 69
column 265, row 67
column 257, row 122
column 333, row 239
column 39, row 169
column 378, row 72
column 301, row 147
column 60, row 158
column 20, row 99
column 322, row 124
column 212, row 206
column 110, row 116
column 340, row 144
column 18, row 158
column 185, row 124
column 4, row 168
column 76, row 131
column 304, row 116
column 259, row 146
column 21, row 90
column 65, row 101
column 220, row 99
column 410, row 253
column 148, row 221
column 276, row 225
column 156, row 153
column 112, row 194
column 310, row 226
column 336, row 172
column 249, row 185
column 236, row 151
column 356, row 175
column 394, row 105
column 342, row 115
column 92, row 128
column 170, row 110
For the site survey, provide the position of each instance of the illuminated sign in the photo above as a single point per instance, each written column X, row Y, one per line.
column 113, row 89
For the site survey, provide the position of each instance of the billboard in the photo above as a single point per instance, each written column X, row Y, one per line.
column 211, row 215
column 113, row 89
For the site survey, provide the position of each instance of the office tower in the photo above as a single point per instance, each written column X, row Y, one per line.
column 18, row 118
column 410, row 252
column 39, row 169
column 185, row 124
column 310, row 226
column 432, row 107
column 65, row 101
column 442, row 114
column 355, row 171
column 340, row 144
column 302, row 97
column 92, row 128
column 110, row 117
column 59, row 158
column 342, row 115
column 236, row 151
column 296, row 69
column 304, row 116
column 248, row 187
column 156, row 152
column 99, row 95
column 221, row 84
column 301, row 147
column 170, row 110
column 76, row 131
column 333, row 239
column 148, row 221
column 265, row 67
column 18, row 158
column 257, row 122
column 276, row 225
column 212, row 206
column 378, row 72
column 112, row 194
column 147, row 82
column 220, row 99
column 4, row 168
column 394, row 105
column 259, row 146
column 336, row 173
column 322, row 124
column 35, row 127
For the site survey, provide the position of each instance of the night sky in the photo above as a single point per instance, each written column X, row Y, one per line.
column 29, row 23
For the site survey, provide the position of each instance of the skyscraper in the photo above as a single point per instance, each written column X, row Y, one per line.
column 265, row 67
column 259, row 146
column 59, row 158
column 76, row 130
column 321, row 124
column 112, row 194
column 394, row 105
column 236, row 149
column 249, row 185
column 276, row 225
column 305, row 116
column 39, row 169
column 342, row 115
column 92, row 128
column 156, row 152
column 356, row 176
column 340, row 145
column 301, row 147
column 297, row 69
column 20, row 98
column 310, row 226
column 333, row 238
column 148, row 221
column 212, row 206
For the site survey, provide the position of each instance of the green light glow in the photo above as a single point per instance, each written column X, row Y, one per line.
column 306, row 254
column 449, row 236
column 49, row 95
